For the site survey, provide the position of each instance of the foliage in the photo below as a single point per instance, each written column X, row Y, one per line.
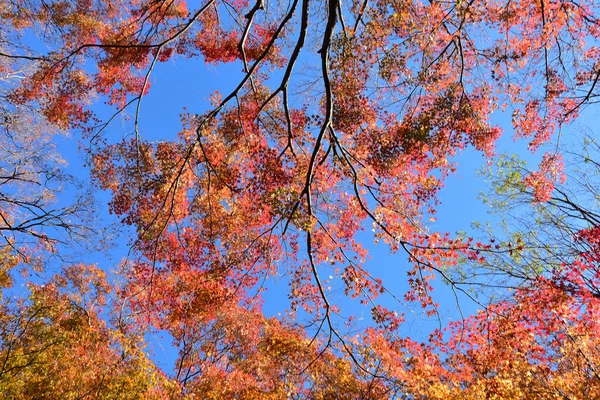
column 56, row 345
column 541, row 343
column 33, row 176
column 276, row 179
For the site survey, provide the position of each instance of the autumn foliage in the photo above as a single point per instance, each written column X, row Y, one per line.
column 346, row 118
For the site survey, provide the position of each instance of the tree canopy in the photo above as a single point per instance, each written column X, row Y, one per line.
column 344, row 118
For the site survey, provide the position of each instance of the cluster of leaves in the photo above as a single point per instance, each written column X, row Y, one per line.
column 278, row 179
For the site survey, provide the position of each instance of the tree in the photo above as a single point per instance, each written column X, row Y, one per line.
column 57, row 344
column 35, row 214
column 538, row 335
column 535, row 237
column 280, row 175
column 541, row 343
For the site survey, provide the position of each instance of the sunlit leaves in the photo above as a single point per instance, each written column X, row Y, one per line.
column 346, row 117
